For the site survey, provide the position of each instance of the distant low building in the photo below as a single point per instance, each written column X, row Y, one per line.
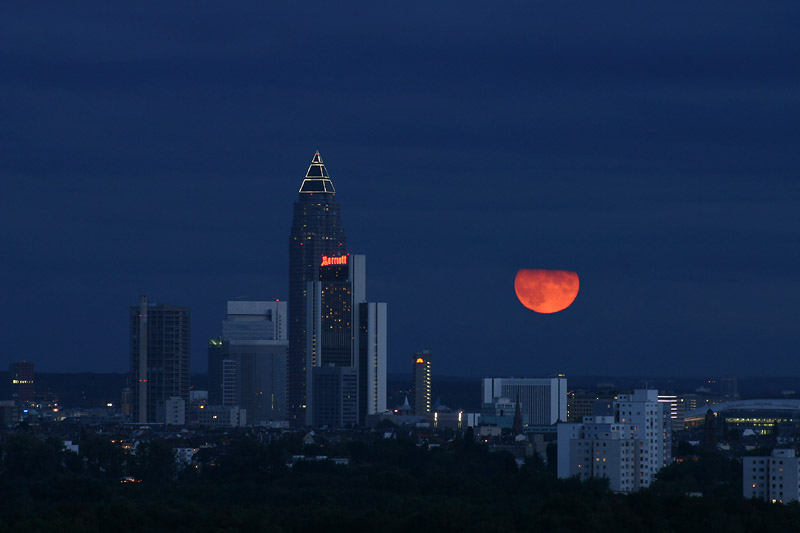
column 221, row 416
column 452, row 419
column 183, row 456
column 694, row 402
column 675, row 409
column 198, row 396
column 9, row 413
column 761, row 416
column 171, row 411
column 200, row 413
column 543, row 401
column 773, row 478
column 580, row 404
column 499, row 413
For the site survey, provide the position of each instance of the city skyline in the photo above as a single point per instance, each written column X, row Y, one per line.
column 649, row 149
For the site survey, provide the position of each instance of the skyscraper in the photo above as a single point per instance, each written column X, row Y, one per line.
column 371, row 360
column 316, row 231
column 344, row 331
column 422, row 382
column 159, row 357
column 332, row 311
column 247, row 365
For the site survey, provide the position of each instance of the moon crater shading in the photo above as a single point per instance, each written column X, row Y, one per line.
column 546, row 291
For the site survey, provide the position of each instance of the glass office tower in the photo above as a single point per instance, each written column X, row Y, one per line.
column 316, row 231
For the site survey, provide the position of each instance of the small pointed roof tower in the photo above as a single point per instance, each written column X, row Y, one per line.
column 317, row 179
column 406, row 406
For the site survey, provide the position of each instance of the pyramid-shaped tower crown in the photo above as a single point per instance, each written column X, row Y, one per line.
column 317, row 179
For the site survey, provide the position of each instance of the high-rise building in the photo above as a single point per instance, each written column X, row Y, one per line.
column 422, row 382
column 651, row 423
column 159, row 357
column 22, row 376
column 343, row 330
column 316, row 231
column 543, row 401
column 332, row 311
column 371, row 360
column 247, row 364
column 628, row 448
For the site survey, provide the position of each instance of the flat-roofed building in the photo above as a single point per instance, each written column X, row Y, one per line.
column 542, row 401
column 247, row 364
column 774, row 478
column 761, row 416
column 22, row 377
column 628, row 448
column 422, row 373
column 159, row 356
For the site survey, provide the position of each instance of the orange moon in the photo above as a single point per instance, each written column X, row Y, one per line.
column 546, row 291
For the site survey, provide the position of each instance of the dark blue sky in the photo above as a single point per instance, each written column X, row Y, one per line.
column 654, row 149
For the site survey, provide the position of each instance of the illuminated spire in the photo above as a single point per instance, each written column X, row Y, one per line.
column 317, row 179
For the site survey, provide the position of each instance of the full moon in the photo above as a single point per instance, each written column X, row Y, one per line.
column 546, row 291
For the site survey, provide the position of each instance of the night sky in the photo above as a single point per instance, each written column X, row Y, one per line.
column 653, row 149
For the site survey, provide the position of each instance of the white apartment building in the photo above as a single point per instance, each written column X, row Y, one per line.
column 628, row 448
column 650, row 421
column 775, row 479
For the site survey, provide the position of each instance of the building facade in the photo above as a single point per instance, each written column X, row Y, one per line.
column 22, row 381
column 600, row 447
column 579, row 405
column 344, row 331
column 247, row 364
column 773, row 478
column 171, row 412
column 371, row 360
column 421, row 394
column 628, row 448
column 219, row 416
column 335, row 402
column 159, row 356
column 332, row 311
column 543, row 401
column 675, row 409
column 316, row 231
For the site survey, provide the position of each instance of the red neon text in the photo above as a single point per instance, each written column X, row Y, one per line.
column 341, row 260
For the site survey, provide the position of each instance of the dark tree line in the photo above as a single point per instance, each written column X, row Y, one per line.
column 389, row 484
